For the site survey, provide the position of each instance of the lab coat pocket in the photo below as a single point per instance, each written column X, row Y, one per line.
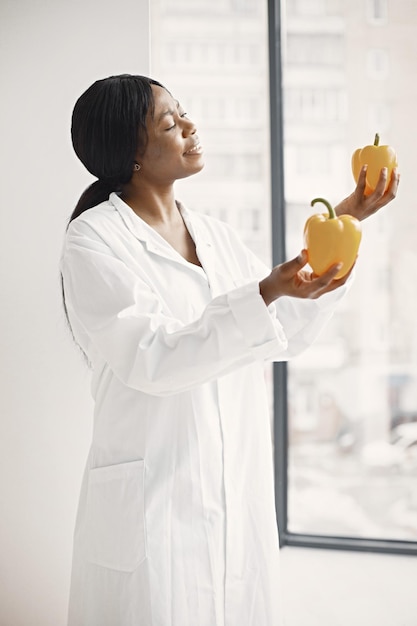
column 115, row 526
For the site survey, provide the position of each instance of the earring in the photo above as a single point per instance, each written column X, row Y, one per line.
column 136, row 167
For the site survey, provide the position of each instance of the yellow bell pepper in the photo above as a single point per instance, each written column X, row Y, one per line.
column 376, row 157
column 330, row 240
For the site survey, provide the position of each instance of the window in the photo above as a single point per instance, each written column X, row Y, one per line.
column 308, row 104
column 195, row 8
column 347, row 470
column 377, row 11
column 316, row 49
column 379, row 115
column 346, row 412
column 246, row 6
column 235, row 168
column 377, row 63
column 213, row 56
column 308, row 8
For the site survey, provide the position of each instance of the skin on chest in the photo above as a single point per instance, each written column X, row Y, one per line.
column 180, row 239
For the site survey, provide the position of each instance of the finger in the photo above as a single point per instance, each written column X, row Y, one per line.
column 290, row 268
column 322, row 282
column 382, row 183
column 330, row 274
column 341, row 281
column 361, row 184
column 378, row 200
column 391, row 192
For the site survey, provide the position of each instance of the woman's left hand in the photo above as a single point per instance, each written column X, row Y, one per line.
column 361, row 206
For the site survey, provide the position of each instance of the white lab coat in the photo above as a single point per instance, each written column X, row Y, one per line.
column 176, row 522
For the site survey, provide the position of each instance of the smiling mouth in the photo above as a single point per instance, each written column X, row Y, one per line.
column 197, row 149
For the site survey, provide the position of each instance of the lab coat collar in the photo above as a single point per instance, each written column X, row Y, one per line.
column 134, row 223
column 157, row 244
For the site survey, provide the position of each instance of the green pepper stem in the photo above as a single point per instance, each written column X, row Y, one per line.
column 329, row 207
column 376, row 140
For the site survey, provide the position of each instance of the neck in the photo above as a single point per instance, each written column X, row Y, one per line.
column 154, row 205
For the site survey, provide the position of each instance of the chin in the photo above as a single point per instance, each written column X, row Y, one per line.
column 196, row 170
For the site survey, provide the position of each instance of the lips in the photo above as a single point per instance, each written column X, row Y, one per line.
column 195, row 149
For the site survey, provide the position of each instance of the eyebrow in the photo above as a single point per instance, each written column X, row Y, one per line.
column 168, row 112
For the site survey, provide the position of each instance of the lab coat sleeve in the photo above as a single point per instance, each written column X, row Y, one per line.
column 301, row 319
column 119, row 315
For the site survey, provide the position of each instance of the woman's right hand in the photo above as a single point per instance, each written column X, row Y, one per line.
column 289, row 279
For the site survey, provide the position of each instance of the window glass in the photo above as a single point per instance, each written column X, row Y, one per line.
column 213, row 56
column 352, row 398
column 377, row 62
column 377, row 11
column 325, row 49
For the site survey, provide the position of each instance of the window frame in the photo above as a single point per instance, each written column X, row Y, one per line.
column 280, row 391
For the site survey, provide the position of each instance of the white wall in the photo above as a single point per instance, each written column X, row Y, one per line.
column 50, row 52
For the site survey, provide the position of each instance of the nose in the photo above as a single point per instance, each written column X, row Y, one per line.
column 189, row 128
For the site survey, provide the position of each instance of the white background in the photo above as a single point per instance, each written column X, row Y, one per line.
column 50, row 52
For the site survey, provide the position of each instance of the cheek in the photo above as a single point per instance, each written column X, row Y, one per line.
column 154, row 153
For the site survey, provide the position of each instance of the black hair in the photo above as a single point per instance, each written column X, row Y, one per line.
column 108, row 129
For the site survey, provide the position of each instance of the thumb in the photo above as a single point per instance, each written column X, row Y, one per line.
column 294, row 266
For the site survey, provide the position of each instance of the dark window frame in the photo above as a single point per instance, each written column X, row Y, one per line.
column 286, row 537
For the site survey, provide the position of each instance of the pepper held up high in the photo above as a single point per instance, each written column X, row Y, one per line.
column 376, row 157
column 330, row 240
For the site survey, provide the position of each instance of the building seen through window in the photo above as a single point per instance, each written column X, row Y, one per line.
column 352, row 398
column 352, row 402
column 213, row 56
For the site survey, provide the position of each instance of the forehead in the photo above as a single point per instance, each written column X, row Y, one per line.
column 163, row 101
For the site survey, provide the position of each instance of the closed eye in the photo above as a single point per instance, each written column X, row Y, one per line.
column 174, row 125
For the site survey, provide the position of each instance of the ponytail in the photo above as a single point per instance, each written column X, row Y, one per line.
column 96, row 193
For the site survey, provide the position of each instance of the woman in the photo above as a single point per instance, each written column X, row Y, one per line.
column 176, row 523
